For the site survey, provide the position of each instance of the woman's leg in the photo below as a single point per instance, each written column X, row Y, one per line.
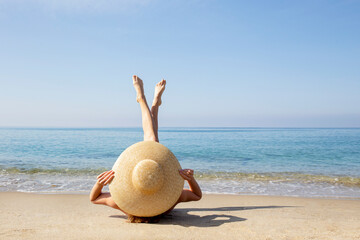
column 147, row 121
column 159, row 89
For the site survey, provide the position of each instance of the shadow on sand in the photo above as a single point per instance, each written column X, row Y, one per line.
column 183, row 218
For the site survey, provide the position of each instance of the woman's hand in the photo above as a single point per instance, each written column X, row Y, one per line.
column 96, row 196
column 187, row 174
column 105, row 177
column 192, row 194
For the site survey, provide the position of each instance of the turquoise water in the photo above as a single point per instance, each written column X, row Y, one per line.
column 270, row 161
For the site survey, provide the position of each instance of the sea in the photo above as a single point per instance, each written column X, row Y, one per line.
column 302, row 162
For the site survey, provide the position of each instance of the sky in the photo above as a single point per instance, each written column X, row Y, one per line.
column 68, row 63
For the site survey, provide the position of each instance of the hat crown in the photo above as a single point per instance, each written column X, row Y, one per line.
column 148, row 176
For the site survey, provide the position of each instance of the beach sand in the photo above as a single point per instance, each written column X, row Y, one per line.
column 72, row 216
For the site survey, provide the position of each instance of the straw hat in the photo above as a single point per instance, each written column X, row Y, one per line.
column 147, row 180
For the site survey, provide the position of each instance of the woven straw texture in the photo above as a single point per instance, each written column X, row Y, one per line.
column 147, row 181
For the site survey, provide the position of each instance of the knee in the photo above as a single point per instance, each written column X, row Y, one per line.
column 154, row 139
column 151, row 138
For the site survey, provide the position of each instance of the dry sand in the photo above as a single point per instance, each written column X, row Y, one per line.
column 72, row 216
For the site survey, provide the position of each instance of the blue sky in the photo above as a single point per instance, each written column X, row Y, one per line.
column 227, row 63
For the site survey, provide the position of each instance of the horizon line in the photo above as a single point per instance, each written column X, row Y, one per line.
column 119, row 127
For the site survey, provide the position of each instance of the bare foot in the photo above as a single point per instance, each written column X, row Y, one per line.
column 159, row 89
column 139, row 88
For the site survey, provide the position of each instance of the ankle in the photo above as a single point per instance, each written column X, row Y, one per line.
column 156, row 103
column 140, row 98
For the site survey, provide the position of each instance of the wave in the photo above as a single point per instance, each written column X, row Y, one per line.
column 60, row 171
column 269, row 177
column 280, row 177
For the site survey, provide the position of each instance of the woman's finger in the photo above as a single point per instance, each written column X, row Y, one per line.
column 102, row 174
column 186, row 172
column 107, row 174
column 184, row 176
column 103, row 178
column 110, row 177
column 109, row 180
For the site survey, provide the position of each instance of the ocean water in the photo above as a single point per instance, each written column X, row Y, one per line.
column 308, row 162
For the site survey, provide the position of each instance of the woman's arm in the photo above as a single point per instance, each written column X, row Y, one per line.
column 192, row 194
column 95, row 191
column 96, row 196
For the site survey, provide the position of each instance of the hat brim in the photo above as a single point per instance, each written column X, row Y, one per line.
column 135, row 202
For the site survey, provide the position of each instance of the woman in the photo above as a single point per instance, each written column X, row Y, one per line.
column 150, row 128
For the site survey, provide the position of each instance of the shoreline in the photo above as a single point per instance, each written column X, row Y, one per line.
column 72, row 216
column 204, row 192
